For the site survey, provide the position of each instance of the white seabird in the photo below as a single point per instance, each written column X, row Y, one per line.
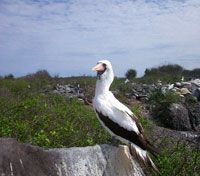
column 118, row 119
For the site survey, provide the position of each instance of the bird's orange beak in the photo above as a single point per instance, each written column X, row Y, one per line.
column 98, row 67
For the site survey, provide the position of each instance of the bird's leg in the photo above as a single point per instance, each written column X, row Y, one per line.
column 115, row 141
column 130, row 148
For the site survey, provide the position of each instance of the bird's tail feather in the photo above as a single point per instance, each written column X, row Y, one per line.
column 143, row 156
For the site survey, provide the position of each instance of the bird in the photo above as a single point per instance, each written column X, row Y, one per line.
column 117, row 118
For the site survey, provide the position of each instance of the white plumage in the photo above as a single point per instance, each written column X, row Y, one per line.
column 109, row 106
column 115, row 117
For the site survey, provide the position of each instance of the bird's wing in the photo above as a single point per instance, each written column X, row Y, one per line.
column 108, row 108
column 125, row 110
column 120, row 122
column 118, row 105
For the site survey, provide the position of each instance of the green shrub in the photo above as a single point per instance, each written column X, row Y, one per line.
column 50, row 121
column 41, row 80
column 14, row 86
column 195, row 73
column 125, row 88
column 160, row 104
column 179, row 161
column 9, row 76
column 166, row 73
column 131, row 74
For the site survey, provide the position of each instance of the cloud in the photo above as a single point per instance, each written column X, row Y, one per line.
column 68, row 37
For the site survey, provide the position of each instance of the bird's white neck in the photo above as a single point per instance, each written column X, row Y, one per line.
column 103, row 84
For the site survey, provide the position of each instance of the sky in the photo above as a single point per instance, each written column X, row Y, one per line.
column 68, row 37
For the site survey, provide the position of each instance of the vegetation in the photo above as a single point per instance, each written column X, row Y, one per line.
column 131, row 74
column 195, row 73
column 46, row 120
column 31, row 113
column 179, row 161
column 169, row 73
column 160, row 104
column 50, row 121
column 9, row 76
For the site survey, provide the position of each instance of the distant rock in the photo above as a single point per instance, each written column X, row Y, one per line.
column 196, row 82
column 193, row 107
column 197, row 94
column 167, row 138
column 17, row 159
column 179, row 117
column 71, row 91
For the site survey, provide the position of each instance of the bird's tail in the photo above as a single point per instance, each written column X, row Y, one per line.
column 143, row 156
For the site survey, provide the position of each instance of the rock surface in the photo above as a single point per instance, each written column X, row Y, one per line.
column 179, row 117
column 17, row 159
column 166, row 138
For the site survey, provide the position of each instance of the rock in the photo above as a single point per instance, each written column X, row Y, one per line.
column 179, row 117
column 70, row 91
column 178, row 84
column 166, row 138
column 193, row 107
column 126, row 81
column 196, row 82
column 17, row 159
column 184, row 91
column 197, row 94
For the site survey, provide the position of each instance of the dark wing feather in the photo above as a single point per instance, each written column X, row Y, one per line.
column 132, row 136
column 148, row 144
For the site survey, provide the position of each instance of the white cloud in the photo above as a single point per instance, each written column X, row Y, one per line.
column 67, row 37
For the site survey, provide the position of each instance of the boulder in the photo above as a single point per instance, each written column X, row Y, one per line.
column 17, row 159
column 193, row 107
column 165, row 138
column 179, row 117
column 197, row 94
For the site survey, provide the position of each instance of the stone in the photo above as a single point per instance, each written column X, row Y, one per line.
column 193, row 107
column 17, row 159
column 197, row 94
column 167, row 138
column 196, row 82
column 179, row 117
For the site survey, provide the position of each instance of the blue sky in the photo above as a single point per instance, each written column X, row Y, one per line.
column 67, row 37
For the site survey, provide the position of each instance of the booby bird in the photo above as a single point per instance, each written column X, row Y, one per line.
column 118, row 119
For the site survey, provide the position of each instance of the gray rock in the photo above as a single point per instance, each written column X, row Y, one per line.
column 17, row 159
column 193, row 107
column 179, row 117
column 197, row 94
column 196, row 82
column 166, row 138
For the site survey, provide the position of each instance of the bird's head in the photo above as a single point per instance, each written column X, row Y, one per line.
column 104, row 70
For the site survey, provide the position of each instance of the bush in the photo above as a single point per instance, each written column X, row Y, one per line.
column 40, row 80
column 50, row 121
column 131, row 74
column 179, row 161
column 13, row 86
column 195, row 73
column 160, row 103
column 9, row 76
column 165, row 73
column 171, row 69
